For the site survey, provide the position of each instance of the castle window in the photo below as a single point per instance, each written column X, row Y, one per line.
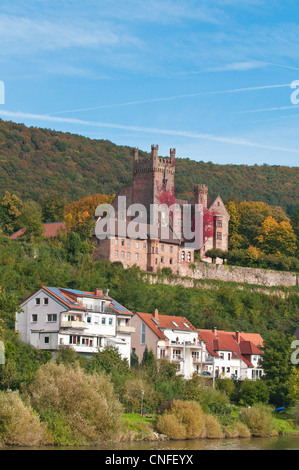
column 219, row 236
column 116, row 254
column 162, row 259
column 122, row 254
column 219, row 223
column 129, row 242
column 116, row 241
column 170, row 260
column 123, row 243
column 136, row 256
column 162, row 247
column 218, row 203
column 183, row 256
column 144, row 245
column 156, row 250
column 156, row 261
column 137, row 244
column 171, row 249
column 189, row 256
column 128, row 255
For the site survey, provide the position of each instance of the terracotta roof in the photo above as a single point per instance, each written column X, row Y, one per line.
column 165, row 322
column 227, row 341
column 50, row 230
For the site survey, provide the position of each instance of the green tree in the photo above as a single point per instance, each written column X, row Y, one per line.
column 252, row 392
column 10, row 210
column 53, row 205
column 31, row 220
column 276, row 362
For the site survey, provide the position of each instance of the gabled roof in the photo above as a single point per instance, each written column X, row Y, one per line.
column 217, row 341
column 165, row 322
column 69, row 297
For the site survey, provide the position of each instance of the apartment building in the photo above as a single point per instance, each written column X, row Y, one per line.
column 169, row 337
column 86, row 321
column 232, row 355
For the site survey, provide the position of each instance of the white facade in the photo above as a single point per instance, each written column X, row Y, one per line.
column 226, row 365
column 87, row 323
column 184, row 349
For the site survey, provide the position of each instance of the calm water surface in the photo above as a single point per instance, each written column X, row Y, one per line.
column 255, row 443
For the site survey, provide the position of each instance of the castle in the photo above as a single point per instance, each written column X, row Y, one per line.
column 154, row 186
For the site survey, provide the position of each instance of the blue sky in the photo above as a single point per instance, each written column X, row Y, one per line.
column 208, row 77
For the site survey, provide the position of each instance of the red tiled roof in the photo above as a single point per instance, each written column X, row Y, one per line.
column 50, row 230
column 165, row 322
column 227, row 341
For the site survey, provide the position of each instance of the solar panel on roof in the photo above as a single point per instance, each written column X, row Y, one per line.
column 186, row 325
column 174, row 323
column 59, row 294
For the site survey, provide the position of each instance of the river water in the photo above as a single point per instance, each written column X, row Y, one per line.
column 253, row 443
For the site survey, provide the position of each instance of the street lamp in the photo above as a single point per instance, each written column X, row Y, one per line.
column 142, row 393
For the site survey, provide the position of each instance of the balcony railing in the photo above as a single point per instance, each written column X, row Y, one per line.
column 125, row 329
column 74, row 324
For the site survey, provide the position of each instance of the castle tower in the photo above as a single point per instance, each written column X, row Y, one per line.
column 153, row 179
column 201, row 195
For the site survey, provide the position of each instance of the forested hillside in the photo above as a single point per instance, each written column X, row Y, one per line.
column 34, row 161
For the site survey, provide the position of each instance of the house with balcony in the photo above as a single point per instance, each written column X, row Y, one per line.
column 232, row 354
column 169, row 337
column 86, row 321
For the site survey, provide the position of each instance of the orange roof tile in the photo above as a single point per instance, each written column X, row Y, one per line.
column 165, row 322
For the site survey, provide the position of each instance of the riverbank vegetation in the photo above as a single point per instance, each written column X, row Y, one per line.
column 75, row 400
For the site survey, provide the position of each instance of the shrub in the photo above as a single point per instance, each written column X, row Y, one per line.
column 85, row 404
column 184, row 415
column 169, row 425
column 19, row 425
column 212, row 427
column 258, row 419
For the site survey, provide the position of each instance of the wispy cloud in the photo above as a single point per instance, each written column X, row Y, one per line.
column 19, row 34
column 174, row 97
column 151, row 130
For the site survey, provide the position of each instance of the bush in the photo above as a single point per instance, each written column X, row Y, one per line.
column 212, row 428
column 170, row 425
column 258, row 419
column 19, row 425
column 85, row 404
column 184, row 419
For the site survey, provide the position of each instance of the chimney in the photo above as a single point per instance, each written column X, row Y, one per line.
column 214, row 330
column 98, row 292
column 238, row 336
column 156, row 314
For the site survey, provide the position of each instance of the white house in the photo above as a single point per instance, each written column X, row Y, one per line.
column 230, row 354
column 169, row 336
column 85, row 321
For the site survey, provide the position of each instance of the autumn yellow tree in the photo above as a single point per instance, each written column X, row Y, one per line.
column 80, row 215
column 276, row 238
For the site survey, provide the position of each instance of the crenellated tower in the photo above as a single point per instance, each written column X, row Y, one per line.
column 153, row 178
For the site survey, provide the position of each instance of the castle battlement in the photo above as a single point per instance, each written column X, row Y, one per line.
column 154, row 162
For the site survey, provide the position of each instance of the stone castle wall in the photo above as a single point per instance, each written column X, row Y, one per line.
column 257, row 276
